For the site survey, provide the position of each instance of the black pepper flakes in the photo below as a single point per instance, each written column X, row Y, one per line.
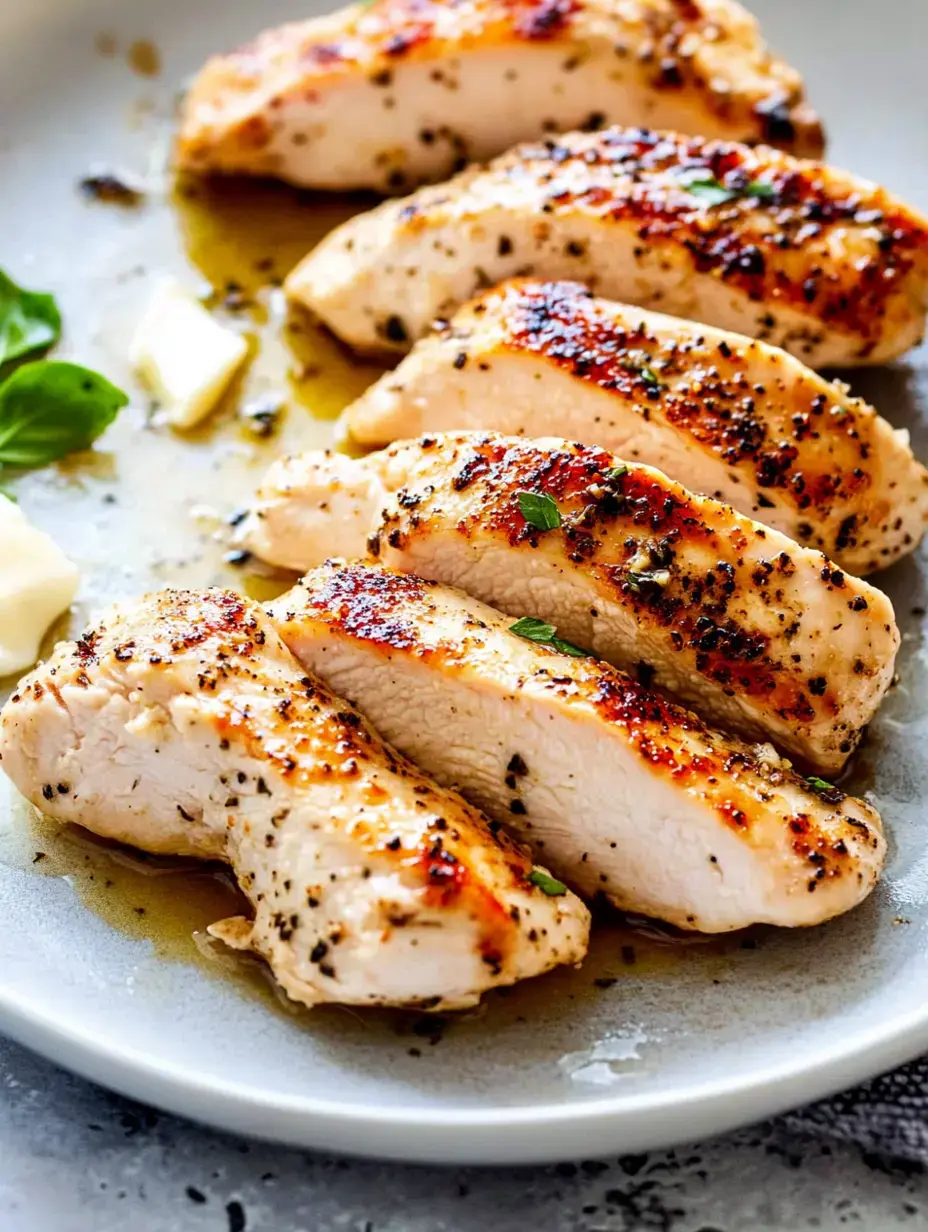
column 236, row 1215
column 394, row 330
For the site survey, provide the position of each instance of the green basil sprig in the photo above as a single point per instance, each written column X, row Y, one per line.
column 51, row 408
column 48, row 408
column 29, row 321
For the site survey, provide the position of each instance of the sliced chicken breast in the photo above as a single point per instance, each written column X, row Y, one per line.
column 181, row 723
column 797, row 254
column 620, row 792
column 753, row 631
column 390, row 94
column 728, row 416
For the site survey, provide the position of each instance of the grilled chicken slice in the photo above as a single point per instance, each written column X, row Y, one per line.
column 830, row 267
column 619, row 791
column 753, row 631
column 181, row 723
column 393, row 93
column 727, row 415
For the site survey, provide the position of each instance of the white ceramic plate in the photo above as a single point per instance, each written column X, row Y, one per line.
column 688, row 1040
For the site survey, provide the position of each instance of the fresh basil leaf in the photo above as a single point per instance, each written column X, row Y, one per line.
column 540, row 510
column 533, row 630
column 29, row 320
column 546, row 883
column 541, row 632
column 50, row 408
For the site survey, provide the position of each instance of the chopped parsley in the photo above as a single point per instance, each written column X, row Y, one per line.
column 540, row 510
column 544, row 634
column 615, row 473
column 546, row 883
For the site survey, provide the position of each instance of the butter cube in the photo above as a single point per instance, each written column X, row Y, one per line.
column 37, row 583
column 185, row 357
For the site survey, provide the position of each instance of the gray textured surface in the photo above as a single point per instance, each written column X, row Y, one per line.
column 74, row 1158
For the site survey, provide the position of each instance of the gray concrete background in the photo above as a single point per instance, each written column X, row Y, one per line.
column 74, row 1158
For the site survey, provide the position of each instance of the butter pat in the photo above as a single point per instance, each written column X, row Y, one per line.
column 37, row 583
column 185, row 357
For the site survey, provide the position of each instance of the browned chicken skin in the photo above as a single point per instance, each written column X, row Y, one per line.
column 807, row 257
column 726, row 415
column 388, row 94
column 748, row 628
column 181, row 723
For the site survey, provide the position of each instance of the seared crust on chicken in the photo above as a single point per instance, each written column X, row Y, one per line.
column 621, row 792
column 390, row 94
column 181, row 723
column 727, row 415
column 753, row 631
column 797, row 254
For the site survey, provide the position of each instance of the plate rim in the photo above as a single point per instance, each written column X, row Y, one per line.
column 466, row 1136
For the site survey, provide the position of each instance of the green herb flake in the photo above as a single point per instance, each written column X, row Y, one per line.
column 29, row 321
column 546, row 883
column 544, row 634
column 647, row 577
column 818, row 784
column 639, row 363
column 568, row 648
column 49, row 409
column 760, row 190
column 709, row 189
column 713, row 192
column 615, row 473
column 540, row 510
column 533, row 630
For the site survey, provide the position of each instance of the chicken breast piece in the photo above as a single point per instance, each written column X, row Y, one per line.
column 619, row 791
column 825, row 265
column 727, row 415
column 181, row 723
column 756, row 633
column 390, row 94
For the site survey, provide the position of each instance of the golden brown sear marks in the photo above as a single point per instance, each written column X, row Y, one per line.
column 760, row 238
column 674, row 44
